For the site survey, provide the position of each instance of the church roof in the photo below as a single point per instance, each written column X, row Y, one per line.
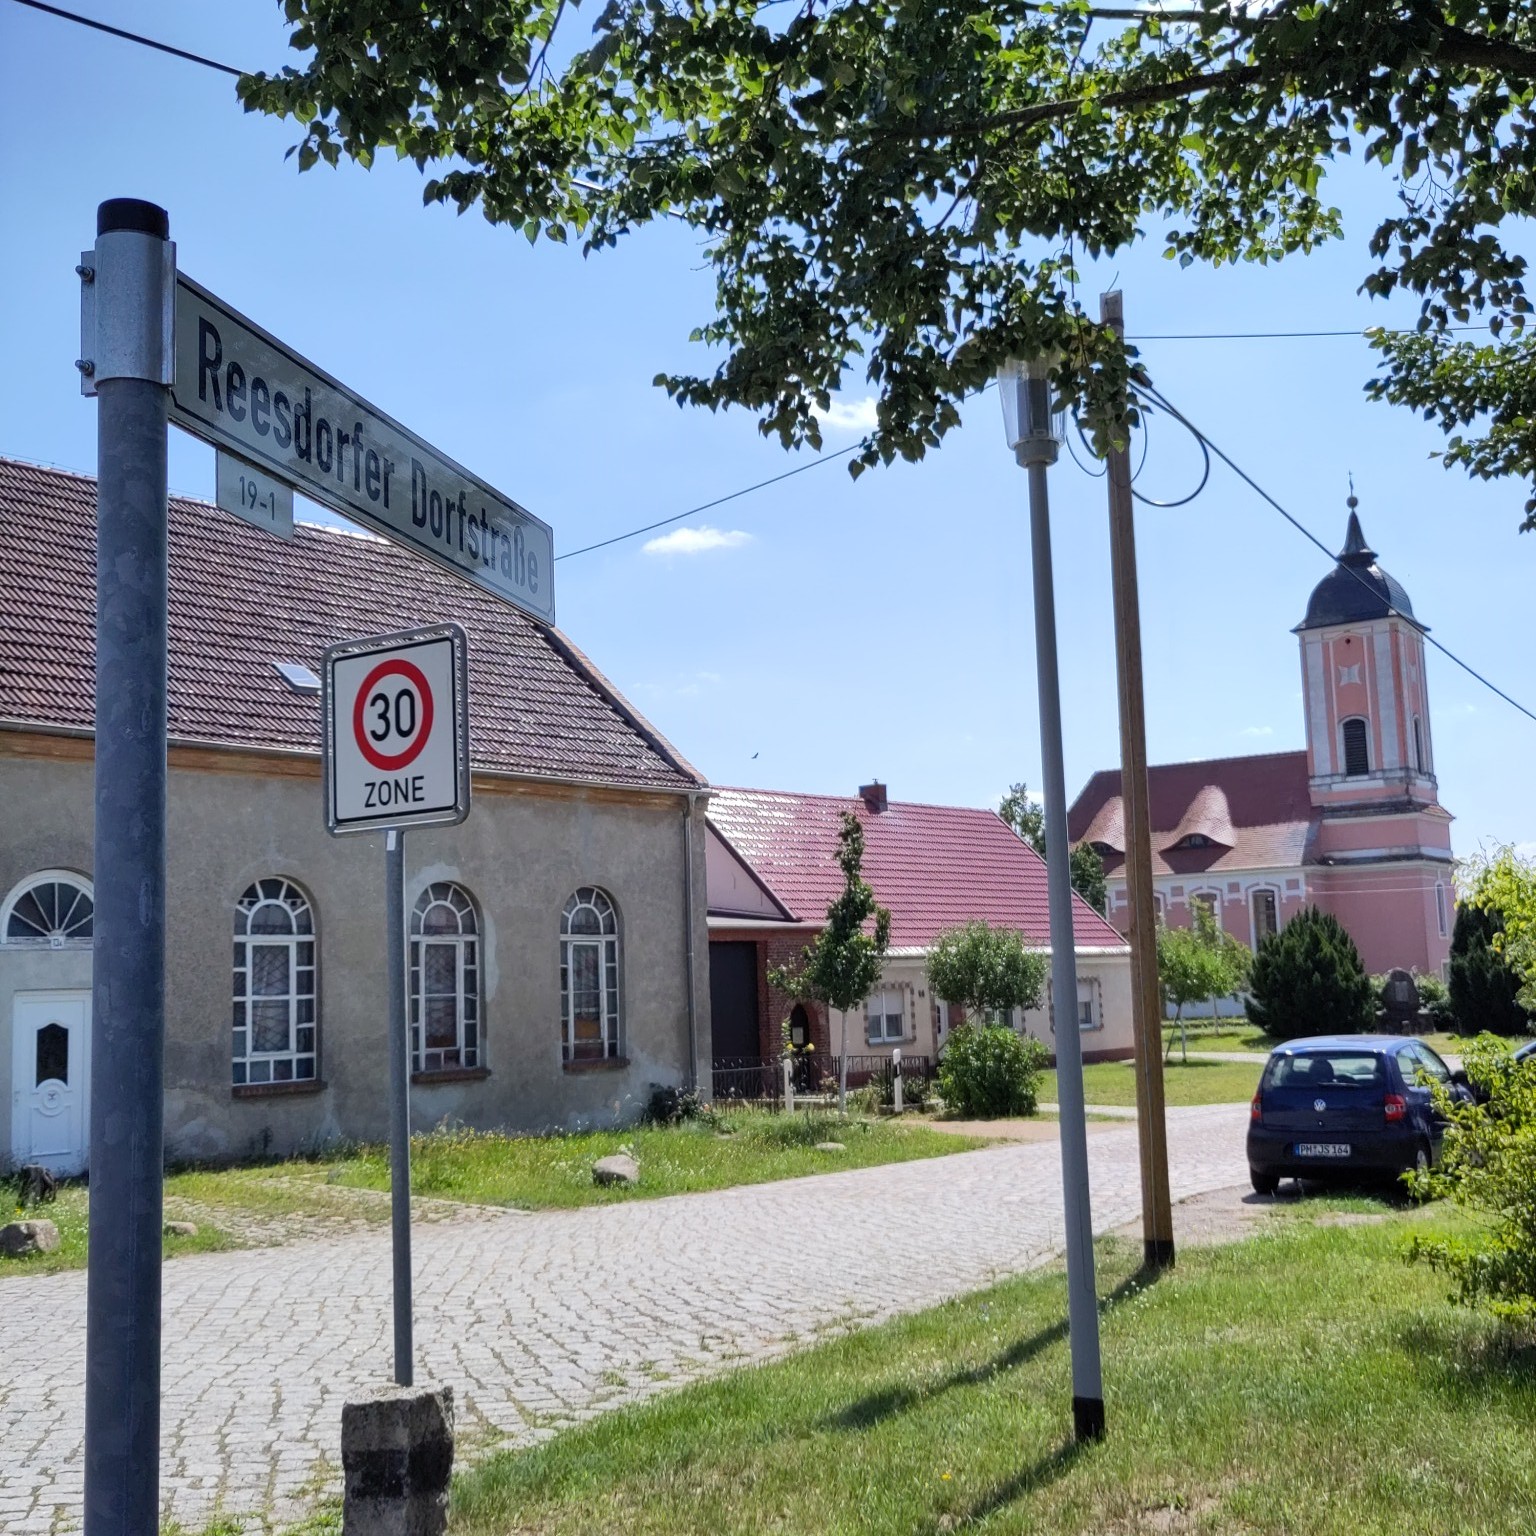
column 241, row 602
column 1356, row 589
column 1255, row 812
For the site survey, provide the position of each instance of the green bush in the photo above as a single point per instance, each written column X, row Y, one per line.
column 1307, row 979
column 1435, row 999
column 989, row 1070
column 1488, row 1166
column 1483, row 987
column 676, row 1106
column 914, row 1090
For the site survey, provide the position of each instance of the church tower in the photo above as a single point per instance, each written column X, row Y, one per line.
column 1382, row 840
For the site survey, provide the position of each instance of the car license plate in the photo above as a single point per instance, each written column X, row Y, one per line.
column 1322, row 1149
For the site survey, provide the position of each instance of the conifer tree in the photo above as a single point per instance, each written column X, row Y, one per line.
column 1307, row 979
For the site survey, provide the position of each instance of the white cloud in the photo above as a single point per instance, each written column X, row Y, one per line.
column 850, row 415
column 695, row 541
column 1259, row 730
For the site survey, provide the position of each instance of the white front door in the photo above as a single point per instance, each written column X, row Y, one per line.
column 51, row 1079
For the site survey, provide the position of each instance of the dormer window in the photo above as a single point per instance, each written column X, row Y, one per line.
column 1194, row 840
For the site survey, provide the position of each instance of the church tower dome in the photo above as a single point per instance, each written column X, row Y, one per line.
column 1367, row 699
column 1356, row 589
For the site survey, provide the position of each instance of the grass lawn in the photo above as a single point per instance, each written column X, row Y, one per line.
column 544, row 1172
column 1303, row 1383
column 1198, row 1082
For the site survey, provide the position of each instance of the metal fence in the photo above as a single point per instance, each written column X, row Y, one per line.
column 760, row 1079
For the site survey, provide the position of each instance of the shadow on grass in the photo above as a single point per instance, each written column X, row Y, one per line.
column 1457, row 1358
column 874, row 1409
column 1045, row 1470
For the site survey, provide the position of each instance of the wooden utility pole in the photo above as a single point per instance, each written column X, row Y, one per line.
column 1146, row 995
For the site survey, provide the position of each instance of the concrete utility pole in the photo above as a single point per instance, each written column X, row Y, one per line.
column 1146, row 995
column 126, row 331
column 1033, row 434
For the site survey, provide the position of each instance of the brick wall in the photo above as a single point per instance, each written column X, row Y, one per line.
column 773, row 1004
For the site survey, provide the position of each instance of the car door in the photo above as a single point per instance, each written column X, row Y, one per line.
column 1416, row 1076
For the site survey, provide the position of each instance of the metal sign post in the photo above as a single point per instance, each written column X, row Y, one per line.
column 126, row 361
column 396, row 735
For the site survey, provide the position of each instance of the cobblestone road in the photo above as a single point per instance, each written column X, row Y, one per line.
column 537, row 1320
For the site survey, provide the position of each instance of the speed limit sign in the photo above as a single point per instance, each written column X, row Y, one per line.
column 397, row 730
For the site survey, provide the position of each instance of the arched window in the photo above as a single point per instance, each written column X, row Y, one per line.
column 53, row 909
column 275, row 1030
column 1418, row 745
column 445, row 981
column 1357, row 748
column 1210, row 900
column 589, row 977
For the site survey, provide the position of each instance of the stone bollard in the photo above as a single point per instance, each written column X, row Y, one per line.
column 396, row 1459
column 789, row 1084
column 896, row 1079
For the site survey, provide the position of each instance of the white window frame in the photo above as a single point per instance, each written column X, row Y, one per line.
column 883, row 1013
column 610, row 976
column 1213, row 899
column 467, row 1053
column 299, row 1062
column 1253, row 916
column 77, row 927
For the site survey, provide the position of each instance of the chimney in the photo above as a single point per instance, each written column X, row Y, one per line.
column 873, row 796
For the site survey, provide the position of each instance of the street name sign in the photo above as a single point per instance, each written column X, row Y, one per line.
column 239, row 387
column 396, row 730
column 253, row 494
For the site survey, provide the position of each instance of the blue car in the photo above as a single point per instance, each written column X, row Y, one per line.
column 1347, row 1106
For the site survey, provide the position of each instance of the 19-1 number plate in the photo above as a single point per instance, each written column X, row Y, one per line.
column 1322, row 1149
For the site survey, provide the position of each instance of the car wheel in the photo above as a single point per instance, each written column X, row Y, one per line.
column 1422, row 1162
column 1263, row 1183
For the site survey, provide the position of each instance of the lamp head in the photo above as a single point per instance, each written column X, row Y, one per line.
column 1034, row 431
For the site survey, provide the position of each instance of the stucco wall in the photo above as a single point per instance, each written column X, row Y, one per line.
column 520, row 855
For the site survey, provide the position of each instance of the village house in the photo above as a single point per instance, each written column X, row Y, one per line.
column 557, row 937
column 1352, row 824
column 772, row 871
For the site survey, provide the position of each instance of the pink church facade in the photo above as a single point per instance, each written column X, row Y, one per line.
column 1353, row 824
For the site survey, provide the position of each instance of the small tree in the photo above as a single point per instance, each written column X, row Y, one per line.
column 1488, row 1166
column 1027, row 818
column 1307, row 979
column 1485, row 992
column 987, row 1069
column 840, row 968
column 1197, row 964
column 1088, row 877
column 1504, row 883
column 986, row 970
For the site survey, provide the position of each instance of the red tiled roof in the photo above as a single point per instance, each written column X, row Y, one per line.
column 934, row 866
column 241, row 600
column 1256, row 810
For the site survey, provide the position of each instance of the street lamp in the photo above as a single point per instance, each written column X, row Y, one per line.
column 1034, row 434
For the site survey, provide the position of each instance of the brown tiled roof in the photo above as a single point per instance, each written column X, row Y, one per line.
column 934, row 866
column 241, row 600
column 1257, row 811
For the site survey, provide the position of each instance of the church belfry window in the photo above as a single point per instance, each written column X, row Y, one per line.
column 1357, row 750
column 1418, row 745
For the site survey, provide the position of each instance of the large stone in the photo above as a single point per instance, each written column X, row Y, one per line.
column 181, row 1229
column 621, row 1168
column 21, row 1238
column 830, row 1146
column 396, row 1462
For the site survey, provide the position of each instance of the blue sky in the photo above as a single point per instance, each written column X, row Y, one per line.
column 821, row 631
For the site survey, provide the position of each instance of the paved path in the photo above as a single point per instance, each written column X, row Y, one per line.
column 537, row 1320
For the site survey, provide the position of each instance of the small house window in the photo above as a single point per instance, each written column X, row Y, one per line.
column 1265, row 920
column 885, row 1017
column 274, row 1026
column 1357, row 750
column 445, row 981
column 589, row 977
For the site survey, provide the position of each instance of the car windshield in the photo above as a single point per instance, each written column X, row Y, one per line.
column 1326, row 1069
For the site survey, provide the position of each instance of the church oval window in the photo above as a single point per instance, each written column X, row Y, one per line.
column 54, row 908
column 1357, row 749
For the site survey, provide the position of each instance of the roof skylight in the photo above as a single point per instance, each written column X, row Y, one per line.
column 298, row 677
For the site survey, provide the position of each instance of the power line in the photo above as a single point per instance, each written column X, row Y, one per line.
column 1295, row 335
column 1307, row 534
column 677, row 517
column 132, row 37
